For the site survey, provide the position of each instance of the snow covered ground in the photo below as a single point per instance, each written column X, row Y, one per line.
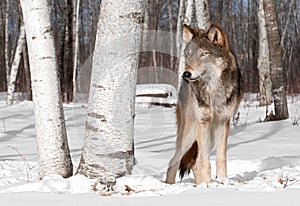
column 263, row 162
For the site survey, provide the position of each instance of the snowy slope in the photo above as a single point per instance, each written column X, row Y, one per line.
column 263, row 162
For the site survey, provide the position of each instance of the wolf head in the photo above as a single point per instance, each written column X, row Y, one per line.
column 207, row 54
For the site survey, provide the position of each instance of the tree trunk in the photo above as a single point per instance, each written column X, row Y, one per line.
column 186, row 20
column 108, row 147
column 91, row 29
column 155, row 24
column 15, row 66
column 68, row 63
column 27, row 73
column 170, row 13
column 2, row 51
column 220, row 11
column 203, row 22
column 202, row 14
column 265, row 84
column 76, row 46
column 7, row 52
column 53, row 150
column 277, row 71
column 179, row 27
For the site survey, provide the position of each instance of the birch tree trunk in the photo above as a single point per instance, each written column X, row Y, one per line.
column 76, row 46
column 108, row 148
column 265, row 84
column 203, row 17
column 53, row 150
column 186, row 20
column 2, row 50
column 202, row 14
column 276, row 67
column 15, row 66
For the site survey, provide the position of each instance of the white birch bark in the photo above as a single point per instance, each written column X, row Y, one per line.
column 76, row 47
column 202, row 14
column 108, row 147
column 51, row 135
column 186, row 20
column 15, row 66
column 265, row 83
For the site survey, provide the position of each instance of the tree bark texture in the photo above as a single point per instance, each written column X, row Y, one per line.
column 265, row 83
column 277, row 71
column 108, row 147
column 53, row 150
column 15, row 66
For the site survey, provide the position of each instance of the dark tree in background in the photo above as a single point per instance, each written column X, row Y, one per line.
column 2, row 50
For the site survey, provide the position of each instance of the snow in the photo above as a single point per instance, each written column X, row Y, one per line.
column 263, row 161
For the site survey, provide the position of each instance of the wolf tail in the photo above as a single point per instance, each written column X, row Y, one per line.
column 188, row 160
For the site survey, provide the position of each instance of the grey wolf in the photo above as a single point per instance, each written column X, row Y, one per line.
column 209, row 96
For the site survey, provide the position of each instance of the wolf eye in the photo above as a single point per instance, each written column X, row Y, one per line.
column 203, row 54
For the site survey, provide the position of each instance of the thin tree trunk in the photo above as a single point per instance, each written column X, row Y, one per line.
column 67, row 85
column 7, row 52
column 220, row 10
column 15, row 66
column 61, row 33
column 76, row 47
column 265, row 84
column 155, row 18
column 91, row 31
column 170, row 12
column 108, row 147
column 2, row 50
column 179, row 27
column 276, row 67
column 287, row 22
column 187, row 20
column 27, row 72
column 53, row 150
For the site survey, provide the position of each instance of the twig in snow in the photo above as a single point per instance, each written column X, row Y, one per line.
column 287, row 181
column 24, row 161
column 247, row 114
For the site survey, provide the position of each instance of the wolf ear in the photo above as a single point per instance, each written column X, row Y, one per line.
column 217, row 36
column 188, row 33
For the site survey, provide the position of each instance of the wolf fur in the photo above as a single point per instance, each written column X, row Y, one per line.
column 209, row 96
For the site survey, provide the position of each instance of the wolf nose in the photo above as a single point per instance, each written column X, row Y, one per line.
column 187, row 75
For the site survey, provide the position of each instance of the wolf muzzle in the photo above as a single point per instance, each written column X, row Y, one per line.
column 187, row 76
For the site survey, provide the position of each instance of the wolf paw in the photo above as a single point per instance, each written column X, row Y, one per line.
column 222, row 181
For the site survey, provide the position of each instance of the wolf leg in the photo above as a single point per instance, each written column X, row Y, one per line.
column 202, row 171
column 202, row 168
column 221, row 152
column 186, row 138
column 171, row 173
